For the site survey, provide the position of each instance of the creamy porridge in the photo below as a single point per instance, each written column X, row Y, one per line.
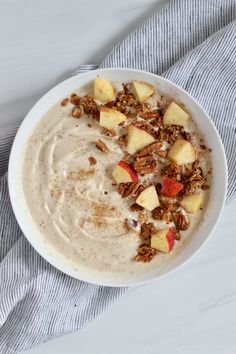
column 118, row 182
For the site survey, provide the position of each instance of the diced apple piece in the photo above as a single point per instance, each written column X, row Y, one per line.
column 103, row 90
column 191, row 203
column 109, row 117
column 175, row 115
column 124, row 173
column 148, row 199
column 182, row 152
column 138, row 139
column 163, row 240
column 142, row 90
column 170, row 187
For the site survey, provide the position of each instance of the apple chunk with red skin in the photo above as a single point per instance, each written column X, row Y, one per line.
column 171, row 187
column 138, row 139
column 163, row 240
column 124, row 173
column 148, row 198
column 109, row 118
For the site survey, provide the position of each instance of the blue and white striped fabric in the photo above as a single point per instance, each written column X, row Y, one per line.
column 192, row 43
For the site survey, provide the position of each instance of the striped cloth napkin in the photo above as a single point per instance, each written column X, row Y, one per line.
column 190, row 42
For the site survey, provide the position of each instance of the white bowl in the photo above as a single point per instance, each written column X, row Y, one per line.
column 206, row 127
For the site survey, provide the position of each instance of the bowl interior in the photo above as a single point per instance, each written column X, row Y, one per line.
column 206, row 127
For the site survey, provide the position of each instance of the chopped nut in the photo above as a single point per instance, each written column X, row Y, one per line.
column 90, row 107
column 147, row 230
column 64, row 102
column 145, row 253
column 125, row 101
column 122, row 140
column 162, row 153
column 150, row 149
column 181, row 220
column 160, row 133
column 205, row 187
column 143, row 216
column 176, row 234
column 157, row 122
column 170, row 170
column 109, row 132
column 131, row 189
column 164, row 211
column 136, row 207
column 92, row 160
column 110, row 104
column 158, row 189
column 171, row 133
column 193, row 181
column 74, row 99
column 100, row 145
column 145, row 126
column 145, row 165
column 76, row 112
column 151, row 115
column 126, row 88
column 146, row 111
column 186, row 135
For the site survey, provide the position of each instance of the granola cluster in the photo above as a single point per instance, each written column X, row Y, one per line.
column 158, row 168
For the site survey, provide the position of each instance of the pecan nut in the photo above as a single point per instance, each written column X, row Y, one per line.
column 171, row 170
column 100, row 145
column 76, row 112
column 181, row 221
column 164, row 211
column 194, row 180
column 125, row 101
column 150, row 149
column 75, row 99
column 90, row 107
column 92, row 160
column 145, row 253
column 131, row 189
column 147, row 230
column 145, row 165
column 64, row 102
column 172, row 132
column 146, row 111
column 109, row 132
column 122, row 140
column 136, row 207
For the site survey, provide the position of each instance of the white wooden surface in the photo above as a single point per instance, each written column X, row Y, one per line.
column 189, row 312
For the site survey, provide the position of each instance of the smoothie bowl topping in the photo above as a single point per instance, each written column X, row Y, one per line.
column 119, row 174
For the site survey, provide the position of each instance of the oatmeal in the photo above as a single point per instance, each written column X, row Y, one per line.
column 117, row 180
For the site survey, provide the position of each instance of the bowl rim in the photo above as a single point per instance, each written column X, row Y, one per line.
column 66, row 269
